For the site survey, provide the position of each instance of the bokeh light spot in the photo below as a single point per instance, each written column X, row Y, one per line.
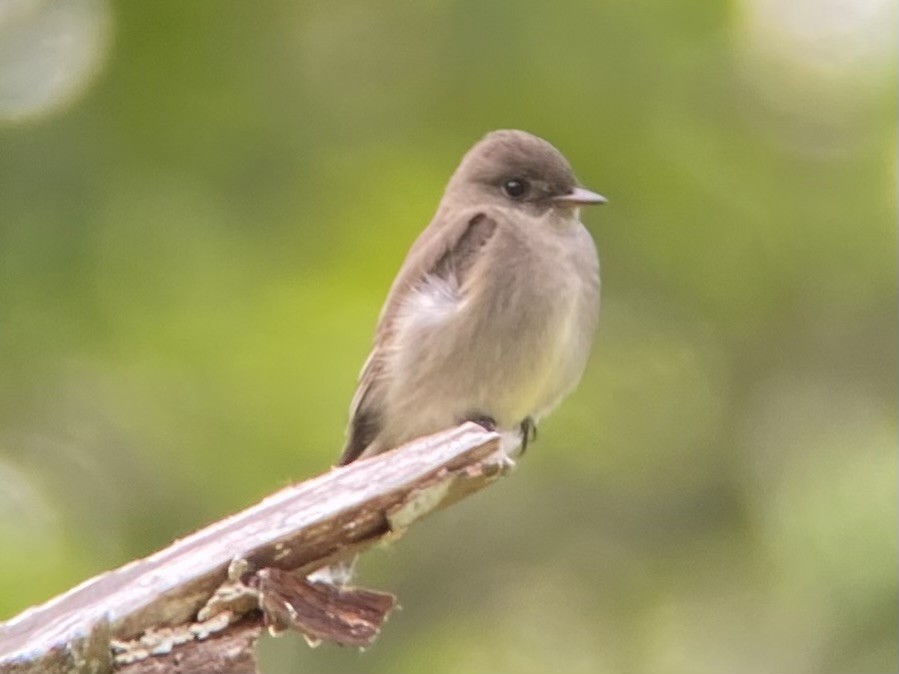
column 50, row 53
column 816, row 70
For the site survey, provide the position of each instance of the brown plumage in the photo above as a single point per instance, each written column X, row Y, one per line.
column 492, row 314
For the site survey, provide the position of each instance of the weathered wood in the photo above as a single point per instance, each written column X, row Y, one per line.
column 231, row 651
column 203, row 594
column 323, row 612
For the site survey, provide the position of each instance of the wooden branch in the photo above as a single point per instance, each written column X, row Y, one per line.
column 198, row 606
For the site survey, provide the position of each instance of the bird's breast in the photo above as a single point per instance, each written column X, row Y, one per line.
column 540, row 322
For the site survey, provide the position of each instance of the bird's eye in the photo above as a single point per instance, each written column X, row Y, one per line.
column 516, row 188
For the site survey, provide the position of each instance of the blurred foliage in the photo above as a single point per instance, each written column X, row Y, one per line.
column 197, row 232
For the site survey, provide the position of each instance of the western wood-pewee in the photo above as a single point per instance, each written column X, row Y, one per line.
column 492, row 314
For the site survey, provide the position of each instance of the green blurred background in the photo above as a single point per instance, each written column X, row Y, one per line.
column 202, row 205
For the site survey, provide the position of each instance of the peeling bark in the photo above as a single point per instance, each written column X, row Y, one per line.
column 198, row 606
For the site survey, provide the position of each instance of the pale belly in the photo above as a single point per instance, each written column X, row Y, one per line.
column 548, row 372
column 511, row 354
column 508, row 366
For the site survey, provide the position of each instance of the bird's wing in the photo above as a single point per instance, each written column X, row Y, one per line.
column 447, row 250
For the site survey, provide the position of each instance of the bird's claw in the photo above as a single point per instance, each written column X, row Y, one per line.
column 528, row 433
column 482, row 420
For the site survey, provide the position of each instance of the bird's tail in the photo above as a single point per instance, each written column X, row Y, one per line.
column 339, row 574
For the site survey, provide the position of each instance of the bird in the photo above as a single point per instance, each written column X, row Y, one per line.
column 491, row 316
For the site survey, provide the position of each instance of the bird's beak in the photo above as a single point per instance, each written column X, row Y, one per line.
column 580, row 196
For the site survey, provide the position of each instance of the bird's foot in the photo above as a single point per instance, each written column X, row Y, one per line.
column 528, row 433
column 482, row 420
